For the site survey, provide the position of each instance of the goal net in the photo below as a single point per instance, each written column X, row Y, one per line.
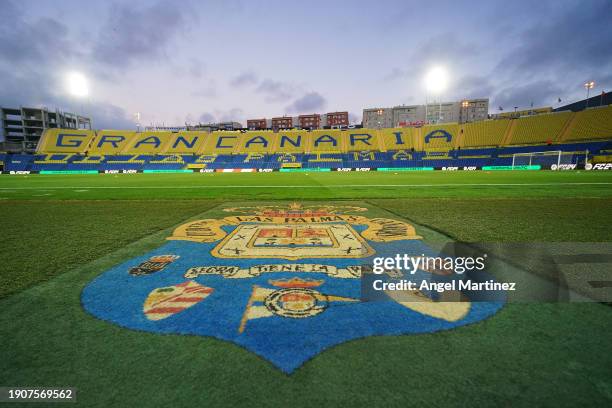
column 553, row 160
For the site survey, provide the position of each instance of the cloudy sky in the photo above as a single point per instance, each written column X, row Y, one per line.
column 189, row 61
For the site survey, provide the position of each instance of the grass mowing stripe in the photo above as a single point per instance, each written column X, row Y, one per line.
column 317, row 186
column 531, row 354
column 43, row 240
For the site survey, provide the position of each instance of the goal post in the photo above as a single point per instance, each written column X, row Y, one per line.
column 551, row 159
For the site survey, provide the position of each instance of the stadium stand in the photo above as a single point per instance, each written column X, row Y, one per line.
column 255, row 142
column 289, row 142
column 66, row 141
column 325, row 141
column 359, row 141
column 149, row 143
column 592, row 124
column 221, row 142
column 108, row 142
column 539, row 128
column 186, row 142
column 398, row 138
column 486, row 133
column 441, row 137
column 491, row 142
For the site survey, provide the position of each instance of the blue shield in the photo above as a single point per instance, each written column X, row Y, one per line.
column 285, row 286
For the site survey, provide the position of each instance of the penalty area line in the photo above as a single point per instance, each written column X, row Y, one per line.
column 314, row 186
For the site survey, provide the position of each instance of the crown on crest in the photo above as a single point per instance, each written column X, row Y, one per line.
column 164, row 258
column 296, row 283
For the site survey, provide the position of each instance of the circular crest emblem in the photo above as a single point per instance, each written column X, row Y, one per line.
column 296, row 302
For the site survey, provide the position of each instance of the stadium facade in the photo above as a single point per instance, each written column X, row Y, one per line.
column 579, row 138
column 309, row 121
column 468, row 110
column 22, row 127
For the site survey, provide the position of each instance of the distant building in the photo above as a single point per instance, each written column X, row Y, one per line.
column 166, row 128
column 333, row 119
column 212, row 127
column 202, row 127
column 472, row 110
column 378, row 118
column 408, row 115
column 415, row 115
column 284, row 122
column 257, row 124
column 309, row 121
column 23, row 127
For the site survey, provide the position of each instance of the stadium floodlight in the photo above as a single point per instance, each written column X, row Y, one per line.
column 77, row 84
column 588, row 86
column 436, row 80
column 465, row 104
column 137, row 120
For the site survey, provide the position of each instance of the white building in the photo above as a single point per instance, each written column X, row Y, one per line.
column 468, row 110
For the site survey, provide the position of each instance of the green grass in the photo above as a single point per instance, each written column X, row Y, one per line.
column 511, row 219
column 43, row 240
column 332, row 185
column 527, row 355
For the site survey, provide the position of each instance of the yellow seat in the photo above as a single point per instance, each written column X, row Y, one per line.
column 65, row 141
column 592, row 124
column 485, row 133
column 440, row 136
column 111, row 142
column 398, row 138
column 222, row 142
column 186, row 142
column 255, row 142
column 324, row 141
column 539, row 128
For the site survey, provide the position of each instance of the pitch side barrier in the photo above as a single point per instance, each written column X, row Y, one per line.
column 588, row 167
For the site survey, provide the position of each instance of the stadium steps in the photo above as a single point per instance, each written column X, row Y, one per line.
column 536, row 129
column 460, row 138
column 509, row 131
column 567, row 129
column 593, row 124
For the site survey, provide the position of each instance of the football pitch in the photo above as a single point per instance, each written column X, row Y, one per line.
column 309, row 185
column 63, row 231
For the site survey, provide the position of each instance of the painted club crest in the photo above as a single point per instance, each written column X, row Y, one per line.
column 153, row 264
column 165, row 302
column 281, row 281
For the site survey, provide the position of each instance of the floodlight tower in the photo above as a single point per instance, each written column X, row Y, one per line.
column 465, row 105
column 137, row 120
column 78, row 87
column 436, row 82
column 588, row 86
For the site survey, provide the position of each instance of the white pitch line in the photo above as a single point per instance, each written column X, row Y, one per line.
column 316, row 186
